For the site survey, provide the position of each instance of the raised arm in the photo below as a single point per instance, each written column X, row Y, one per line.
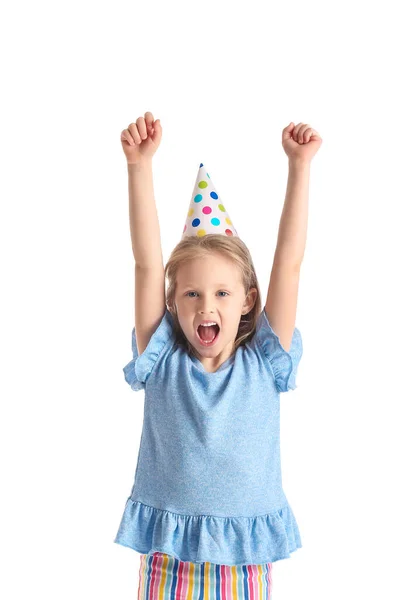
column 300, row 144
column 140, row 141
column 143, row 217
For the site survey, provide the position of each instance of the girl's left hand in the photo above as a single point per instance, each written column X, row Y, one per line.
column 300, row 142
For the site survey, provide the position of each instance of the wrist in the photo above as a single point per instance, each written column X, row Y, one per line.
column 138, row 167
column 299, row 164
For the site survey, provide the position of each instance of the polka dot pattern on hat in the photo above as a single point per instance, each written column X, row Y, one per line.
column 206, row 214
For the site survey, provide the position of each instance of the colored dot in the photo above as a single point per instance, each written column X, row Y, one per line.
column 228, row 220
column 201, row 233
column 228, row 232
column 195, row 222
column 185, row 227
column 203, row 184
column 214, row 195
column 198, row 198
column 206, row 210
column 215, row 221
column 221, row 207
column 191, row 211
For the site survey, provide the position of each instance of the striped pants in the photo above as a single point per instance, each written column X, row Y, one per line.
column 164, row 577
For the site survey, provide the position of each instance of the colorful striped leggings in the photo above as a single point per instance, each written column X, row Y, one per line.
column 164, row 577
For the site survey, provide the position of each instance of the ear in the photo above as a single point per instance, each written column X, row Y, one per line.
column 250, row 301
column 171, row 309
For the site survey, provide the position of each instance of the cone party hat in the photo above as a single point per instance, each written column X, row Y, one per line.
column 207, row 214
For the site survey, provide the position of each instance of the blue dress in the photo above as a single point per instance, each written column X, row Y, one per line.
column 208, row 484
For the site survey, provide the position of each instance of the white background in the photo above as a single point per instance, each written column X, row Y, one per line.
column 225, row 78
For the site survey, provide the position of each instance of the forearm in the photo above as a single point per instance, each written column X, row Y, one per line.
column 292, row 234
column 143, row 217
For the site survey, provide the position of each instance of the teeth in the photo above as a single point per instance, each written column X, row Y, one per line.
column 208, row 324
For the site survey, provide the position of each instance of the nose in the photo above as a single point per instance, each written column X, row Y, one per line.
column 206, row 312
column 205, row 307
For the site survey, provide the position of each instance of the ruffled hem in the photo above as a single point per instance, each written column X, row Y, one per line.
column 220, row 540
column 284, row 364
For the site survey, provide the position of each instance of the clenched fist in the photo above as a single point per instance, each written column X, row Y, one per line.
column 300, row 142
column 141, row 139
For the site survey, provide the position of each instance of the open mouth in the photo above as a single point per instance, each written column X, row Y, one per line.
column 208, row 335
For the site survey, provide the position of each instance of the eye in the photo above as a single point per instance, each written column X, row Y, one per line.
column 221, row 292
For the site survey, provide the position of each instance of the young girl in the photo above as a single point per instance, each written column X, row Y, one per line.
column 207, row 511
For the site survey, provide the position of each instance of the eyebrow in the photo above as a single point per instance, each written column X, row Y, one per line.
column 216, row 285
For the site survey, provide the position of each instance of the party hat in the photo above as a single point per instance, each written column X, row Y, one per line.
column 207, row 213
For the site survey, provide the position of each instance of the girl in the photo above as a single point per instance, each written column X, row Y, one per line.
column 207, row 511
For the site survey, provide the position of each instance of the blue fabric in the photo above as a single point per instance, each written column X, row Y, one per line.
column 208, row 484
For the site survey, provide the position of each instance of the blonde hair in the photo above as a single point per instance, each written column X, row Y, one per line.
column 232, row 248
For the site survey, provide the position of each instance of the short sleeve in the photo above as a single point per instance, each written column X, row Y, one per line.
column 284, row 364
column 139, row 368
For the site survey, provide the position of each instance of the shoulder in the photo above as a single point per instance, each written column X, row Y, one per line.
column 140, row 367
column 266, row 346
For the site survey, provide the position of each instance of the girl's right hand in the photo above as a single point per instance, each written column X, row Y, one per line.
column 142, row 138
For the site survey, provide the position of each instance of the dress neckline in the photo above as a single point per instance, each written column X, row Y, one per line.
column 223, row 366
